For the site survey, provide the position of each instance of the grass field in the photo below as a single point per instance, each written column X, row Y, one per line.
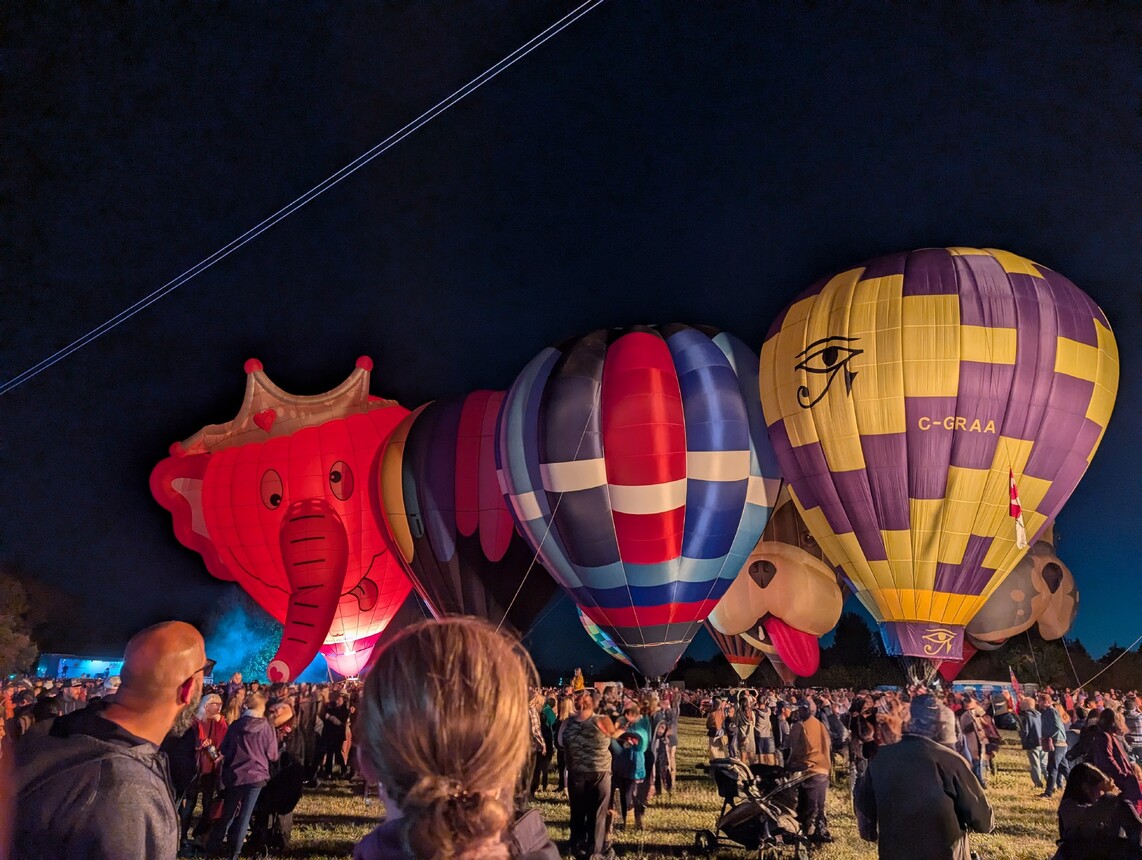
column 330, row 820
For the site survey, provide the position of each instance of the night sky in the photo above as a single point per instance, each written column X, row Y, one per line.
column 655, row 162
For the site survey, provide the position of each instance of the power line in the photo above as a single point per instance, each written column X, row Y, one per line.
column 319, row 189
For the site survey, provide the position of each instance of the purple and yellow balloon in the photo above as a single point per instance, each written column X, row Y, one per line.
column 902, row 398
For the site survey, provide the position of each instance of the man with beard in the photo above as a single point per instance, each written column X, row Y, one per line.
column 96, row 785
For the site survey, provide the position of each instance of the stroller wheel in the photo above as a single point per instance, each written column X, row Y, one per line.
column 705, row 842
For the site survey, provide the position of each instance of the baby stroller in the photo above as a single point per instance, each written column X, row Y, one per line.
column 759, row 810
column 271, row 826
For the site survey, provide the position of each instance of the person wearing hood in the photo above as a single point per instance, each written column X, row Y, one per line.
column 918, row 798
column 96, row 786
column 443, row 729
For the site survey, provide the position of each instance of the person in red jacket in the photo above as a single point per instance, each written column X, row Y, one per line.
column 210, row 730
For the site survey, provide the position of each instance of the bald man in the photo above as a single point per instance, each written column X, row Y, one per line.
column 96, row 786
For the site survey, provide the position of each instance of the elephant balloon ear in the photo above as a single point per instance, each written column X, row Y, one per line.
column 176, row 484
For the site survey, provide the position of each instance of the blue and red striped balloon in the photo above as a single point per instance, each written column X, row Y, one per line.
column 637, row 465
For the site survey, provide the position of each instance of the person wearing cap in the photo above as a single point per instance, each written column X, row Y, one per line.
column 809, row 749
column 96, row 786
column 111, row 687
column 69, row 696
column 919, row 798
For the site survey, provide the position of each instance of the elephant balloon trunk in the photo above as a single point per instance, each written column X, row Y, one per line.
column 315, row 553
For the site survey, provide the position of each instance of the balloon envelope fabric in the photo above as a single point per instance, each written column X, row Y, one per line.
column 278, row 501
column 742, row 657
column 442, row 506
column 636, row 464
column 909, row 399
column 600, row 638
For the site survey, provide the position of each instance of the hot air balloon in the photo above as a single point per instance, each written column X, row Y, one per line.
column 785, row 596
column 277, row 500
column 636, row 464
column 760, row 640
column 1039, row 590
column 600, row 638
column 741, row 655
column 925, row 407
column 441, row 502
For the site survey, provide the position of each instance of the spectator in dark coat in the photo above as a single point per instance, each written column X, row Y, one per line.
column 1093, row 823
column 181, row 753
column 918, row 798
column 335, row 716
column 1107, row 752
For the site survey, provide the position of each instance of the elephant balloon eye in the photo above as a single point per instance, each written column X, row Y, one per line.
column 272, row 489
column 762, row 572
column 1053, row 576
column 341, row 480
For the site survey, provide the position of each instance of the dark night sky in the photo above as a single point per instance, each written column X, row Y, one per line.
column 656, row 162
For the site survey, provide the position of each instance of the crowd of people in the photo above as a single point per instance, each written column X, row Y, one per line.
column 918, row 763
column 214, row 769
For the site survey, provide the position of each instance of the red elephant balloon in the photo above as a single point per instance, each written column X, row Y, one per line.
column 278, row 501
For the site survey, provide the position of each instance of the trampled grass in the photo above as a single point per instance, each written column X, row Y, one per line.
column 330, row 820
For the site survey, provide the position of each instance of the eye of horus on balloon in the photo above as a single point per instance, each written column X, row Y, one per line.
column 939, row 641
column 828, row 356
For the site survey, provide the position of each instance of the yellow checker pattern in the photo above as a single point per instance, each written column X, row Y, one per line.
column 990, row 345
column 931, row 340
column 1105, row 381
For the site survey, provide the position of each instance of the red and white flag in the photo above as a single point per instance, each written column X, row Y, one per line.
column 1017, row 514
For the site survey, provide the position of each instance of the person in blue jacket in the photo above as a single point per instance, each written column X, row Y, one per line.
column 630, row 762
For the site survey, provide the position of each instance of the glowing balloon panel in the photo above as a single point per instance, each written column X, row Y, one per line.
column 278, row 501
column 600, row 638
column 1040, row 589
column 902, row 396
column 742, row 657
column 441, row 500
column 636, row 463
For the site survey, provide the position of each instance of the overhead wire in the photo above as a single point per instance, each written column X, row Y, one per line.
column 1105, row 668
column 319, row 189
column 1072, row 662
column 551, row 519
column 1034, row 659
